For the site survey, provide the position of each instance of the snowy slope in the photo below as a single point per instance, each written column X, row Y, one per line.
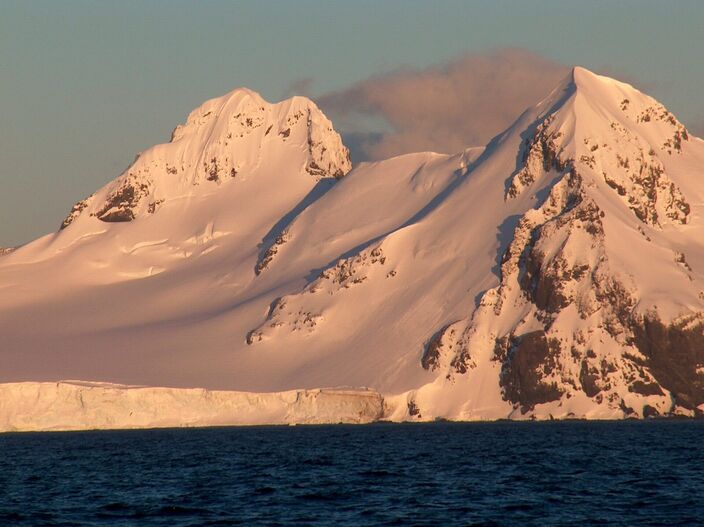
column 555, row 272
column 149, row 300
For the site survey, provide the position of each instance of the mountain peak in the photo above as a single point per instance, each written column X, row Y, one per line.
column 599, row 90
column 585, row 79
column 582, row 76
column 613, row 135
column 233, row 137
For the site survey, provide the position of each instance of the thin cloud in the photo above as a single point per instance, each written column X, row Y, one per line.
column 443, row 108
column 299, row 87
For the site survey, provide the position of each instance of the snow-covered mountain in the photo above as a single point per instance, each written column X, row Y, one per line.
column 558, row 271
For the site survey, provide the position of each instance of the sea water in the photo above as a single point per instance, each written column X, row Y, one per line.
column 504, row 473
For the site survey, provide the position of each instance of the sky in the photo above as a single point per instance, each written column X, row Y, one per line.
column 86, row 85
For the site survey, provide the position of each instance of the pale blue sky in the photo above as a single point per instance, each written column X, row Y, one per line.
column 85, row 85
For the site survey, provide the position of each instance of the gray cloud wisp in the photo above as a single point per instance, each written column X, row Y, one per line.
column 442, row 108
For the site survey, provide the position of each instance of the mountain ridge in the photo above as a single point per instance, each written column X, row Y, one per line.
column 554, row 272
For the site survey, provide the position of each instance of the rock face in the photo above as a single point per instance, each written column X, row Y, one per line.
column 556, row 272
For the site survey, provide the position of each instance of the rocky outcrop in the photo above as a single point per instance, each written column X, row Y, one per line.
column 541, row 153
column 268, row 255
column 438, row 346
column 674, row 354
column 627, row 165
column 76, row 211
column 563, row 322
column 121, row 204
column 657, row 112
column 302, row 312
column 320, row 163
column 527, row 362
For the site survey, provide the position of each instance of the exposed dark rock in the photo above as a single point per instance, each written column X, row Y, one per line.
column 501, row 349
column 544, row 281
column 680, row 258
column 253, row 336
column 75, row 211
column 413, row 409
column 345, row 271
column 462, row 360
column 644, row 388
column 431, row 354
column 314, row 170
column 673, row 353
column 269, row 254
column 541, row 152
column 213, row 170
column 119, row 206
column 613, row 295
column 151, row 208
column 614, row 185
column 628, row 412
column 649, row 411
column 544, row 286
column 590, row 161
column 118, row 216
column 588, row 377
column 460, row 363
column 530, row 359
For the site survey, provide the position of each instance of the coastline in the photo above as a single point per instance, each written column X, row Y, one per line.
column 82, row 406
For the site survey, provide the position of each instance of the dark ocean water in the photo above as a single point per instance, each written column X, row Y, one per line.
column 556, row 473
